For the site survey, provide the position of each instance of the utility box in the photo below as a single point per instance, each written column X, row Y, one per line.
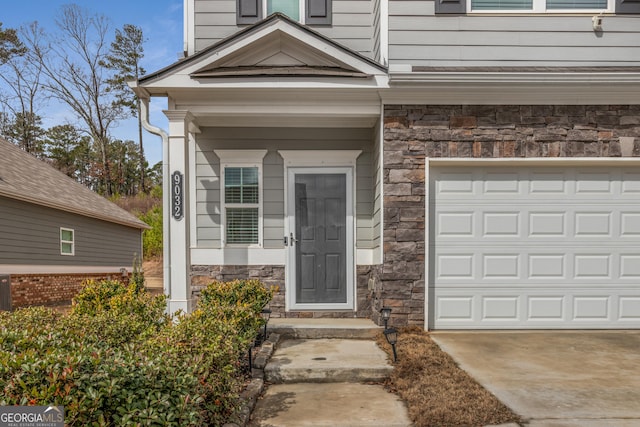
column 5, row 292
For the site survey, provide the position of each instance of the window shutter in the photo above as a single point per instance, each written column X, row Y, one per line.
column 318, row 12
column 628, row 6
column 451, row 6
column 249, row 11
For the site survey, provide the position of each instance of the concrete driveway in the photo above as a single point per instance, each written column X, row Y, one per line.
column 556, row 379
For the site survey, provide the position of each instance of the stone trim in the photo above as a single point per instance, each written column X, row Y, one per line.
column 273, row 275
column 415, row 132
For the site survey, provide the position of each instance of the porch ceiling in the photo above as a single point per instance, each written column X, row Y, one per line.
column 281, row 108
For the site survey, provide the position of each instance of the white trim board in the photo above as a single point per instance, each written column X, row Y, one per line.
column 472, row 162
column 60, row 269
column 290, row 271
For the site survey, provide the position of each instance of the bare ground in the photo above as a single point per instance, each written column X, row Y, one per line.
column 436, row 390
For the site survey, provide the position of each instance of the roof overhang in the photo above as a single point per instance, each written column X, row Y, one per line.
column 274, row 73
column 274, row 53
column 514, row 85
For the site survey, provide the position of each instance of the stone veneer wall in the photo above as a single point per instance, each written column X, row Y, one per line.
column 413, row 132
column 273, row 275
column 52, row 289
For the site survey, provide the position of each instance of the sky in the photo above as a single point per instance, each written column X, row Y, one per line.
column 161, row 23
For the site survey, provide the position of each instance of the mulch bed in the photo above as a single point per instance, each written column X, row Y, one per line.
column 436, row 390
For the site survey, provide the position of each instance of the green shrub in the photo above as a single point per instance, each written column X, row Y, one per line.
column 117, row 359
column 152, row 238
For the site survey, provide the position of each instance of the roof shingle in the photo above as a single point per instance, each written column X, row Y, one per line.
column 26, row 178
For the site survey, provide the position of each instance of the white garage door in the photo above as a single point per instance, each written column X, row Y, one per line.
column 534, row 247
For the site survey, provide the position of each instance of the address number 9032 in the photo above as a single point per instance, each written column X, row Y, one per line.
column 177, row 195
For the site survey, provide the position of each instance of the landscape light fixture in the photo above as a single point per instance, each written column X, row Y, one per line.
column 266, row 314
column 385, row 312
column 391, row 335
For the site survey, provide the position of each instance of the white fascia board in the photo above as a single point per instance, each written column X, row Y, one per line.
column 238, row 256
column 494, row 88
column 179, row 81
column 536, row 161
column 514, row 94
column 61, row 269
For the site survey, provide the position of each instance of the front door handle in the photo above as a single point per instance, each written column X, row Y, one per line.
column 292, row 239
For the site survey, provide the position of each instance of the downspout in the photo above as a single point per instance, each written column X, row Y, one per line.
column 166, row 208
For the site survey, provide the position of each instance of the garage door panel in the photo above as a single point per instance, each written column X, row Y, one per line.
column 500, row 309
column 526, row 266
column 534, row 247
column 575, row 223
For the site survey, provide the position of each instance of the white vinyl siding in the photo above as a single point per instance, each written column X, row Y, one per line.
column 534, row 247
column 67, row 245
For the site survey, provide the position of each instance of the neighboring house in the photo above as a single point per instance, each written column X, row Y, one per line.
column 56, row 233
column 468, row 163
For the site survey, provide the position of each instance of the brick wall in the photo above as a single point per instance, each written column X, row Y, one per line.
column 51, row 289
column 273, row 275
column 412, row 133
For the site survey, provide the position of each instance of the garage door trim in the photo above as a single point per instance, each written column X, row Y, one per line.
column 473, row 162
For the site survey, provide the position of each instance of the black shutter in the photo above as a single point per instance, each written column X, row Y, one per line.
column 628, row 6
column 318, row 12
column 451, row 6
column 249, row 11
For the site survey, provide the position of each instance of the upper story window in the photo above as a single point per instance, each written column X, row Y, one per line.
column 67, row 242
column 310, row 12
column 538, row 6
column 461, row 7
column 291, row 8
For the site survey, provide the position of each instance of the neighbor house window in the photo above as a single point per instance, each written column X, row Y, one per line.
column 539, row 6
column 67, row 246
column 241, row 196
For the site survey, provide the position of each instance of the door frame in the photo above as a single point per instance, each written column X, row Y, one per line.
column 319, row 161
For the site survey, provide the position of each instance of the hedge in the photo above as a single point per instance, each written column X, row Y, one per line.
column 118, row 359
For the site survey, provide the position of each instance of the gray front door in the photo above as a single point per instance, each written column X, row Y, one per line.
column 321, row 233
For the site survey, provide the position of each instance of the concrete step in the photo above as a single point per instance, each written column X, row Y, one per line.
column 329, row 405
column 361, row 329
column 327, row 360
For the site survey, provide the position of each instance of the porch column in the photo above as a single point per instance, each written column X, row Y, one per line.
column 177, row 183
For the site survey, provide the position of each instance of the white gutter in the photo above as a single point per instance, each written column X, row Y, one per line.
column 166, row 208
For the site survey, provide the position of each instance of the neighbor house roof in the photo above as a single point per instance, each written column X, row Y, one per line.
column 24, row 177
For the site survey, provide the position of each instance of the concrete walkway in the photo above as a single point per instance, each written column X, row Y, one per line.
column 328, row 381
column 556, row 379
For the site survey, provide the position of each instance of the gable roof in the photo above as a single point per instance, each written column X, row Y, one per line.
column 24, row 177
column 277, row 46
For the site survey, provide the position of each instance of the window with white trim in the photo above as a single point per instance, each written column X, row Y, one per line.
column 241, row 196
column 67, row 245
column 242, row 205
column 539, row 6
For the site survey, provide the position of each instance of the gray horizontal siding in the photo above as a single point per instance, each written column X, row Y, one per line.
column 418, row 37
column 30, row 234
column 352, row 23
column 274, row 139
